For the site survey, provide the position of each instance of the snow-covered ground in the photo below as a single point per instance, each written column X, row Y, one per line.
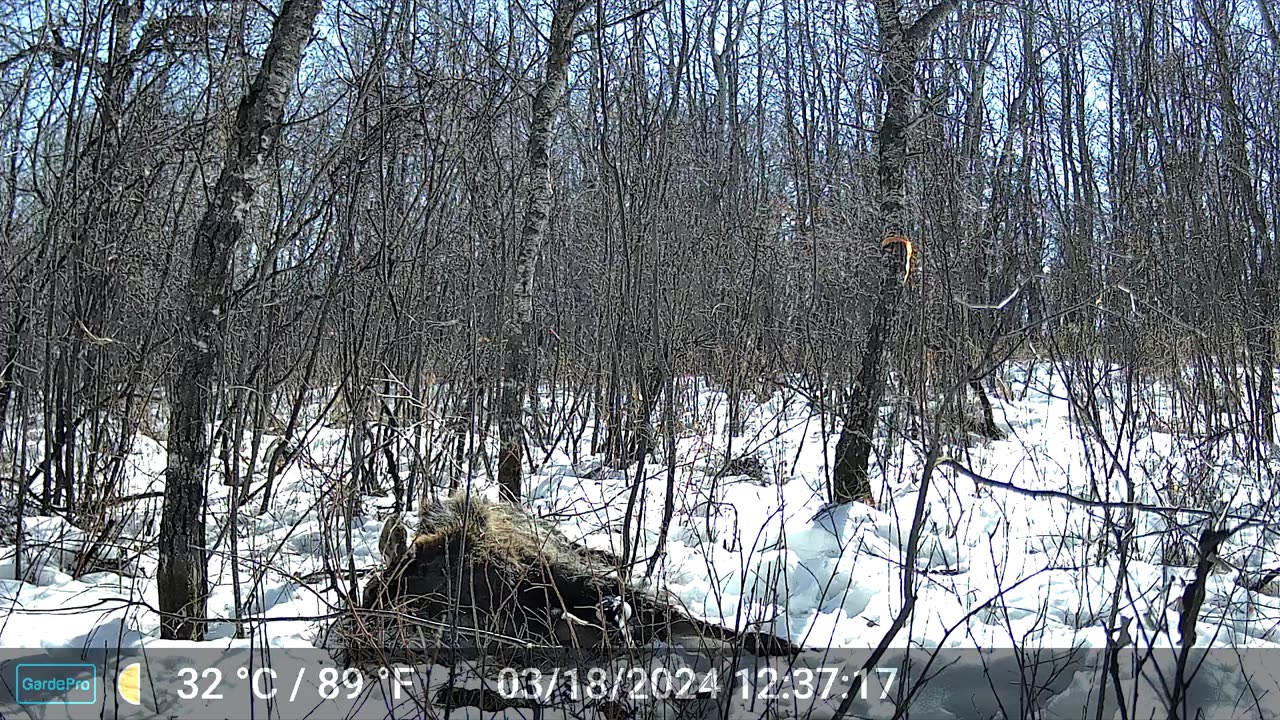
column 996, row 568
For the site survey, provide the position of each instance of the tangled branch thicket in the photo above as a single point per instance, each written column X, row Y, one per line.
column 458, row 243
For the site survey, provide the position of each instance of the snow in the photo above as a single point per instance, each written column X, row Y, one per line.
column 995, row 569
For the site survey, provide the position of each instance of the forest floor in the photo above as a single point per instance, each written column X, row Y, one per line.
column 997, row 568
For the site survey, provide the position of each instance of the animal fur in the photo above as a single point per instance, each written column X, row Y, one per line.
column 392, row 540
column 493, row 569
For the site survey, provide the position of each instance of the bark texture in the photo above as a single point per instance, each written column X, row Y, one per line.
column 182, row 576
column 519, row 329
column 899, row 47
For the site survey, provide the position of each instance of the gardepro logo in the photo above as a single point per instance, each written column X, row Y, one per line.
column 57, row 684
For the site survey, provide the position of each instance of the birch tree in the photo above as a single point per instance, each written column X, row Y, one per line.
column 182, row 575
column 519, row 326
column 900, row 49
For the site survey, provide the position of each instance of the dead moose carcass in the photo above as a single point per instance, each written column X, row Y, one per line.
column 486, row 574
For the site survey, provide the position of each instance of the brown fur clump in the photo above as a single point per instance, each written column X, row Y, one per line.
column 489, row 570
column 392, row 540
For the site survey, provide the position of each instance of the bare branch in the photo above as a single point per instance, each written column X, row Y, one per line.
column 58, row 53
column 929, row 22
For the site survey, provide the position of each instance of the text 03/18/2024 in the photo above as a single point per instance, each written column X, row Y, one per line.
column 658, row 684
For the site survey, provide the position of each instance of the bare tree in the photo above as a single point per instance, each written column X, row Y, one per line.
column 1260, row 270
column 518, row 332
column 182, row 572
column 900, row 50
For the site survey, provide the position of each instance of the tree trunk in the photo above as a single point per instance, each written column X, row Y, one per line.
column 182, row 575
column 519, row 329
column 900, row 49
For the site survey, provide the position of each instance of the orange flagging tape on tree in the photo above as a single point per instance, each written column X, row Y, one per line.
column 894, row 239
